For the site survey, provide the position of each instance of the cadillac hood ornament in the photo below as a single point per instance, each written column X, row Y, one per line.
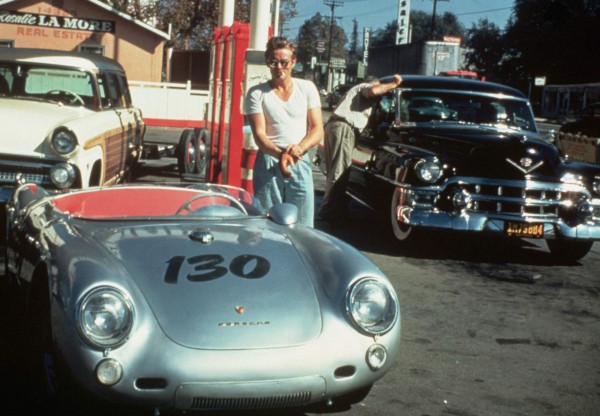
column 525, row 165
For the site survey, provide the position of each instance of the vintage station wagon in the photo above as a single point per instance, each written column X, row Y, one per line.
column 67, row 120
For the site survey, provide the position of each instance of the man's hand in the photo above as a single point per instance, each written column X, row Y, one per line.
column 286, row 160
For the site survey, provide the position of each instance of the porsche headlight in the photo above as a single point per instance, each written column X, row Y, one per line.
column 63, row 142
column 105, row 317
column 372, row 306
column 429, row 171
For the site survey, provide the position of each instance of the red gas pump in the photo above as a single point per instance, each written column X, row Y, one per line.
column 224, row 152
column 226, row 120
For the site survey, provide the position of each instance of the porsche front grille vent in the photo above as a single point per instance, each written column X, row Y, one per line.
column 251, row 403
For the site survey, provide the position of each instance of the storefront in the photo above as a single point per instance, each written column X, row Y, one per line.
column 85, row 26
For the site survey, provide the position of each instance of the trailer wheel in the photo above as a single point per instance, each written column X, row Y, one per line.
column 187, row 155
column 203, row 145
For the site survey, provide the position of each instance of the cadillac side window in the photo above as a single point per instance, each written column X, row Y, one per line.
column 383, row 115
column 520, row 115
column 402, row 113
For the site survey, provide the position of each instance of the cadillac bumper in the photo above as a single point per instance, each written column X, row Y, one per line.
column 512, row 208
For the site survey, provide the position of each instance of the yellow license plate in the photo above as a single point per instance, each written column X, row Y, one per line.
column 523, row 229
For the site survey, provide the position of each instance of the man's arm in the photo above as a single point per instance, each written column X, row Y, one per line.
column 381, row 88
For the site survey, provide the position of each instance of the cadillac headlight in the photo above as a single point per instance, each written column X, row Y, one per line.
column 596, row 184
column 63, row 142
column 429, row 171
column 105, row 317
column 372, row 306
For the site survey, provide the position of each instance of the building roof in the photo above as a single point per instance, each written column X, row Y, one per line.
column 122, row 15
column 84, row 61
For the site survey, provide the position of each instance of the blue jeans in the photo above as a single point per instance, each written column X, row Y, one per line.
column 271, row 188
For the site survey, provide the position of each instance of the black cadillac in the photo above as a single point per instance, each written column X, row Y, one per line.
column 466, row 155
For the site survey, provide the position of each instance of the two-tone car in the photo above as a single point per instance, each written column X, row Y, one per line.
column 200, row 302
column 67, row 119
column 485, row 169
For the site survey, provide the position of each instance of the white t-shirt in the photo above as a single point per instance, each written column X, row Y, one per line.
column 286, row 121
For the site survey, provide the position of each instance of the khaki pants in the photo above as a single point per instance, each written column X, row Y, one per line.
column 339, row 144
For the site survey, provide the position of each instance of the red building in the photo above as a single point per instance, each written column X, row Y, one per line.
column 86, row 26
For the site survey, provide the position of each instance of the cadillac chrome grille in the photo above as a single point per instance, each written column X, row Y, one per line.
column 249, row 403
column 518, row 198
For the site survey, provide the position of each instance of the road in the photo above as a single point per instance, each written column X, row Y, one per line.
column 490, row 327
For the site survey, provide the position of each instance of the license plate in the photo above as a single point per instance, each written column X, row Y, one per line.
column 523, row 229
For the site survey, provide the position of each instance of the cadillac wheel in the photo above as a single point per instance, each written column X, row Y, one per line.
column 403, row 232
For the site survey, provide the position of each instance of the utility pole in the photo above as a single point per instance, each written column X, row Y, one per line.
column 432, row 30
column 332, row 4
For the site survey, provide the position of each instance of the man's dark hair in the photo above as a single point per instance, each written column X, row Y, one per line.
column 371, row 79
column 279, row 42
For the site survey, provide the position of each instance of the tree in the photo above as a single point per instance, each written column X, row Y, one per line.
column 554, row 38
column 420, row 23
column 485, row 49
column 140, row 10
column 317, row 29
column 287, row 12
column 191, row 22
column 385, row 36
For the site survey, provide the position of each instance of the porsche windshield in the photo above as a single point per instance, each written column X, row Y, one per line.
column 485, row 109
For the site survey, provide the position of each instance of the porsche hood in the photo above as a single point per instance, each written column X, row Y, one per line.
column 221, row 286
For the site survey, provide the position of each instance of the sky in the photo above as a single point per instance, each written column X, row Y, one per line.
column 376, row 14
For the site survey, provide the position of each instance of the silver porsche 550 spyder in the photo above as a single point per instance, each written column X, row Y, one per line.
column 190, row 297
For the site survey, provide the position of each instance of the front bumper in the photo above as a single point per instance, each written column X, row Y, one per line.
column 489, row 205
column 159, row 373
column 29, row 170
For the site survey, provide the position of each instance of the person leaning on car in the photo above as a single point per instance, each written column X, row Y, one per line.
column 349, row 118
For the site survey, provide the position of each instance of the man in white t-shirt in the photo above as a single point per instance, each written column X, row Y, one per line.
column 285, row 116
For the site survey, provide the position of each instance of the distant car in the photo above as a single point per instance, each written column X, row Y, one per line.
column 336, row 95
column 429, row 108
column 461, row 74
column 484, row 170
column 190, row 297
column 580, row 139
column 68, row 120
column 587, row 123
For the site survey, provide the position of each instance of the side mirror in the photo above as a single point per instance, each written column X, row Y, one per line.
column 284, row 214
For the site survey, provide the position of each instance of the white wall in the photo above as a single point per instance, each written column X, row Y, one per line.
column 169, row 104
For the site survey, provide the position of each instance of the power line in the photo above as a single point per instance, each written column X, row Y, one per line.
column 484, row 11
